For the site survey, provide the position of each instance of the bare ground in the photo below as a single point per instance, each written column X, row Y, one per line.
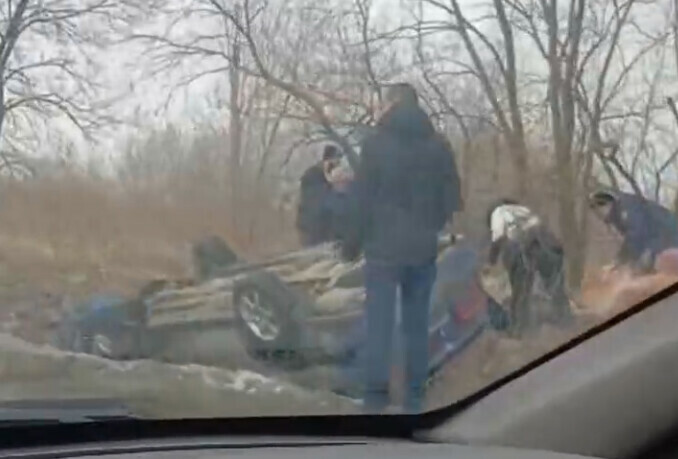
column 492, row 357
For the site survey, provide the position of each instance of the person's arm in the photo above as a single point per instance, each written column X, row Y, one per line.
column 310, row 214
column 303, row 205
column 498, row 224
column 495, row 250
column 340, row 178
column 451, row 181
column 497, row 235
column 632, row 247
column 360, row 194
column 632, row 222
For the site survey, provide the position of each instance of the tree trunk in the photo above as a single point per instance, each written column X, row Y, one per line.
column 576, row 245
column 521, row 177
column 568, row 221
column 235, row 134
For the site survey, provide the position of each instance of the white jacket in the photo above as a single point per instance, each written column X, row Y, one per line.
column 510, row 220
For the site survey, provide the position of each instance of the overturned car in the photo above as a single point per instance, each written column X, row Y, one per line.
column 292, row 312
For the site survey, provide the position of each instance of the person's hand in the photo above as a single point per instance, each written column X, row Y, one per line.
column 494, row 250
column 340, row 179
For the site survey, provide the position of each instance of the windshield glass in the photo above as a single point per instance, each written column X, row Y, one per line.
column 220, row 208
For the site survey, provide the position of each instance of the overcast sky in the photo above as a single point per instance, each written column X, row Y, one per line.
column 142, row 99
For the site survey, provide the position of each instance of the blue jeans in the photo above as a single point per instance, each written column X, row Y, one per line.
column 382, row 282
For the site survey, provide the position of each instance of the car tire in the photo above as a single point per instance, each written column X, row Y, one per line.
column 268, row 321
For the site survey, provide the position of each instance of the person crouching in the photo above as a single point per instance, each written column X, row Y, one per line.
column 647, row 229
column 528, row 248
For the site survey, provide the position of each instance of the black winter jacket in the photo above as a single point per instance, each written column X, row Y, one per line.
column 406, row 188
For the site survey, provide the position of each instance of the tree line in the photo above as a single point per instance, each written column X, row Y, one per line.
column 579, row 88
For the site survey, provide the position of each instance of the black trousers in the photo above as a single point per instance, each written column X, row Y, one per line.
column 537, row 252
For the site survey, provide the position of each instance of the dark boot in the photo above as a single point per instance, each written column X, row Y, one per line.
column 551, row 268
column 521, row 277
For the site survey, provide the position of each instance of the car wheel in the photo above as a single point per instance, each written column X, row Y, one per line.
column 266, row 317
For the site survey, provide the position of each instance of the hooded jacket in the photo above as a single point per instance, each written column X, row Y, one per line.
column 406, row 189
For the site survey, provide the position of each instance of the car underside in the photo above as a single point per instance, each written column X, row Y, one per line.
column 300, row 310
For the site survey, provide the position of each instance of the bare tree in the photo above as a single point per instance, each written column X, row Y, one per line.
column 643, row 149
column 301, row 80
column 674, row 29
column 563, row 56
column 597, row 91
column 502, row 95
column 583, row 52
column 319, row 56
column 587, row 72
column 52, row 82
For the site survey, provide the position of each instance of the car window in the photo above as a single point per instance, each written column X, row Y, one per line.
column 219, row 208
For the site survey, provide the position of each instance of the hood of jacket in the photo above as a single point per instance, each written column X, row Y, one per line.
column 407, row 121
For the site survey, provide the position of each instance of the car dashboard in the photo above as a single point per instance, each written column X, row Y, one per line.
column 283, row 449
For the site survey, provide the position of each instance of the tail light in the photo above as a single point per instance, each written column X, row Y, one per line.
column 471, row 304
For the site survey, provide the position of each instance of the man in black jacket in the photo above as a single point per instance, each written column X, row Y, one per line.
column 405, row 191
column 314, row 215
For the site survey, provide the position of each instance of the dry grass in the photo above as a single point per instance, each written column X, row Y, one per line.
column 75, row 235
column 607, row 292
column 70, row 235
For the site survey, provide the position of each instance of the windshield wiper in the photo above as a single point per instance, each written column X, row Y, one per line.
column 63, row 411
